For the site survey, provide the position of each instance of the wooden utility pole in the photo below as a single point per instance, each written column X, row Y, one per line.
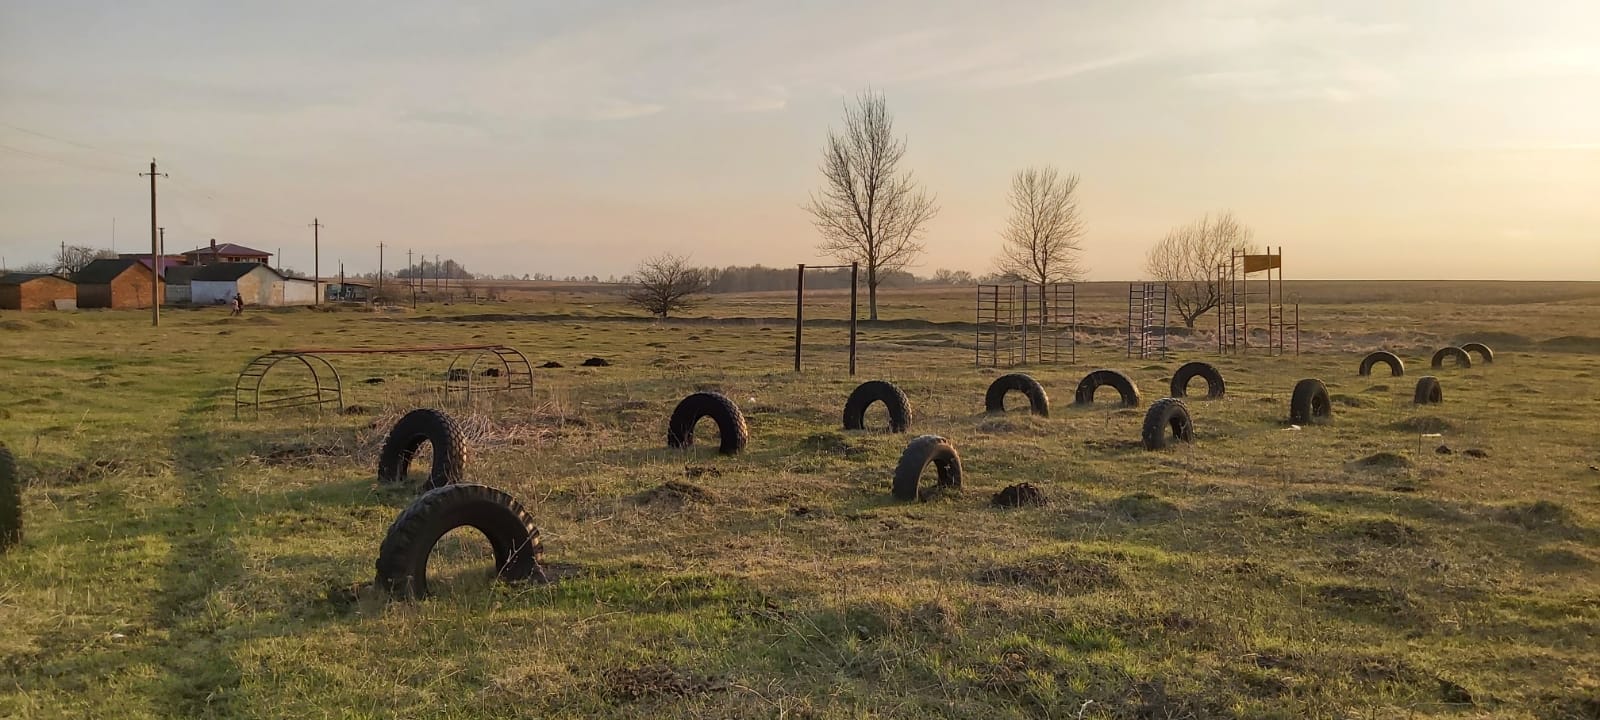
column 380, row 270
column 316, row 257
column 155, row 248
column 411, row 279
column 799, row 312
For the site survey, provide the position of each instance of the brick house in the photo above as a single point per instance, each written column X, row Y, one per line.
column 118, row 283
column 226, row 253
column 31, row 291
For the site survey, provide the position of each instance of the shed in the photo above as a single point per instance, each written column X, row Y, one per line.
column 348, row 290
column 299, row 291
column 216, row 284
column 178, row 278
column 118, row 283
column 34, row 291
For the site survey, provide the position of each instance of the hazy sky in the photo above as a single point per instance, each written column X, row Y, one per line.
column 1372, row 139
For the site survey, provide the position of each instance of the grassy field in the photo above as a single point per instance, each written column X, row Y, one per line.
column 181, row 563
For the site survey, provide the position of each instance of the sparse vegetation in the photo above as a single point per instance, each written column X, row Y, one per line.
column 177, row 562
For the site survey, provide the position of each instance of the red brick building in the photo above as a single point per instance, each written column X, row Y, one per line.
column 118, row 283
column 30, row 291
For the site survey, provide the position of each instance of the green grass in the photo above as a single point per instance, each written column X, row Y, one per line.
column 181, row 563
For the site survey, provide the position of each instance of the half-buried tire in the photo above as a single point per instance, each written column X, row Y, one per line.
column 1461, row 356
column 925, row 449
column 1396, row 367
column 1215, row 388
column 867, row 393
column 403, row 557
column 1484, row 353
column 1428, row 391
column 721, row 410
column 10, row 501
column 1167, row 414
column 407, row 436
column 1112, row 378
column 994, row 400
column 1310, row 403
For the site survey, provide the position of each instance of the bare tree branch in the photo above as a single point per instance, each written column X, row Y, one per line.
column 869, row 210
column 665, row 284
column 1188, row 259
column 1043, row 238
column 73, row 258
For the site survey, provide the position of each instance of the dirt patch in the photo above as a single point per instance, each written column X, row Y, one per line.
column 1142, row 507
column 659, row 680
column 1536, row 515
column 1060, row 574
column 1423, row 424
column 1475, row 453
column 1020, row 495
column 1389, row 532
column 694, row 471
column 1381, row 461
column 676, row 493
column 98, row 469
column 596, row 362
column 552, row 364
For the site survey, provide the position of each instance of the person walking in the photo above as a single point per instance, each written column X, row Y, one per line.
column 238, row 304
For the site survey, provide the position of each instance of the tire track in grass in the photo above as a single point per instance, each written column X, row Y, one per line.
column 203, row 677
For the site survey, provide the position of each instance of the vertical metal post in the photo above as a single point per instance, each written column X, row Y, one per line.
column 1025, row 288
column 799, row 312
column 855, row 269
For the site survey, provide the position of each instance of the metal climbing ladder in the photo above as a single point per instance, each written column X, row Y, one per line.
column 1058, row 323
column 1237, row 293
column 1147, row 320
column 996, row 335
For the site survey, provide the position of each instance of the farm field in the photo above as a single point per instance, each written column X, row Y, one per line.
column 179, row 562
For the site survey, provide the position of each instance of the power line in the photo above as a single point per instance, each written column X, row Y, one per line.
column 59, row 161
column 63, row 140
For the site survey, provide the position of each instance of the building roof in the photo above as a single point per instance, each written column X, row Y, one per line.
column 182, row 274
column 228, row 272
column 22, row 278
column 230, row 250
column 104, row 270
column 167, row 262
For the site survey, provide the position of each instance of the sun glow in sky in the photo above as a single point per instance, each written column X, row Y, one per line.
column 1371, row 139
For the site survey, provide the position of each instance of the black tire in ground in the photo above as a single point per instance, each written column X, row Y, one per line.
column 994, row 400
column 1215, row 388
column 1428, row 391
column 441, row 432
column 403, row 557
column 1165, row 414
column 1461, row 356
column 926, row 449
column 1397, row 368
column 1116, row 380
column 1483, row 351
column 871, row 391
column 1310, row 403
column 730, row 422
column 10, row 501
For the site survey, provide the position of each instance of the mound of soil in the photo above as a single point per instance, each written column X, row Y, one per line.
column 1475, row 453
column 1534, row 515
column 1381, row 461
column 1019, row 495
column 597, row 362
column 1057, row 574
column 1351, row 401
column 552, row 364
column 694, row 471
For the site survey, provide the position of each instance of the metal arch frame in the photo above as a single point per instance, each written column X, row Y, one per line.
column 517, row 374
column 323, row 395
column 515, row 371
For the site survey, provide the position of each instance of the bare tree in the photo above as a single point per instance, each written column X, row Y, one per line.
column 1042, row 238
column 869, row 209
column 1188, row 259
column 665, row 284
column 72, row 258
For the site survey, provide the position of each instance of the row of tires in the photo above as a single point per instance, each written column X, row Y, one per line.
column 1397, row 367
